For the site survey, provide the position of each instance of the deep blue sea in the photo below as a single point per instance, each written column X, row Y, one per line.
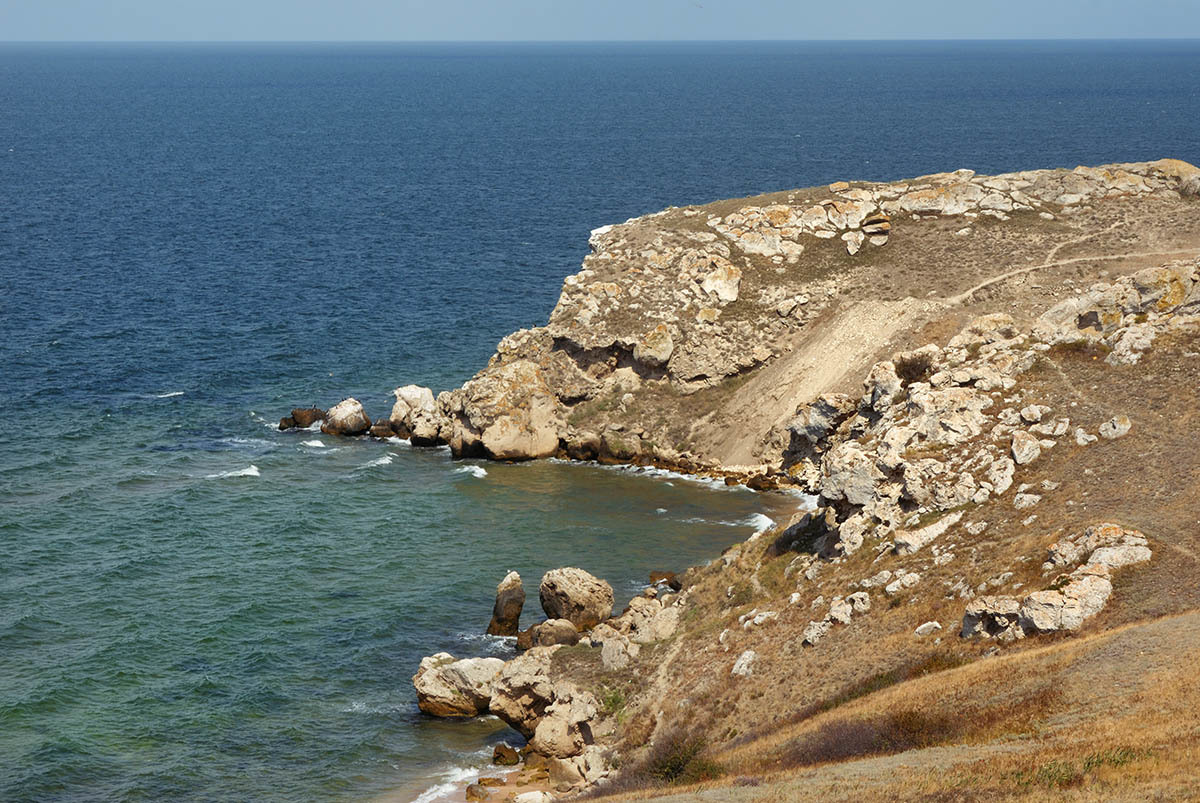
column 196, row 238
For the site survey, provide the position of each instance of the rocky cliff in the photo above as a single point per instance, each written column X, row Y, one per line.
column 690, row 337
column 988, row 384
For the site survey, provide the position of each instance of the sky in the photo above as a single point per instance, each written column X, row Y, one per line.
column 572, row 20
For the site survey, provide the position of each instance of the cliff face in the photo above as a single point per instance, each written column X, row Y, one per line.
column 690, row 337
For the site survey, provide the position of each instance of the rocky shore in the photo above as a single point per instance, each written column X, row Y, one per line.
column 979, row 379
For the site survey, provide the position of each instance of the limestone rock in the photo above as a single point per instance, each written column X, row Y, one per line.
column 510, row 599
column 1025, row 447
column 415, row 415
column 927, row 628
column 455, row 688
column 1115, row 427
column 617, row 652
column 656, row 347
column 993, row 617
column 909, row 541
column 577, row 596
column 346, row 418
column 564, row 728
column 849, row 473
column 553, row 631
column 744, row 665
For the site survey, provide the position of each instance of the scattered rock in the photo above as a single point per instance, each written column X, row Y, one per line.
column 505, row 756
column 1115, row 427
column 1025, row 447
column 477, row 792
column 744, row 665
column 927, row 628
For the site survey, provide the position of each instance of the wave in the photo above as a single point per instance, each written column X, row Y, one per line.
column 398, row 440
column 760, row 523
column 315, row 444
column 360, row 707
column 452, row 780
column 251, row 471
column 474, row 471
column 170, row 395
column 379, row 461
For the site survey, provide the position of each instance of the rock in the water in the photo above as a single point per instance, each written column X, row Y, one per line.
column 449, row 688
column 510, row 599
column 382, row 429
column 1115, row 427
column 505, row 756
column 287, row 422
column 346, row 418
column 577, row 596
column 307, row 416
column 553, row 631
column 476, row 792
column 415, row 415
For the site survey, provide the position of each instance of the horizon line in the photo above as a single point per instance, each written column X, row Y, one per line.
column 590, row 41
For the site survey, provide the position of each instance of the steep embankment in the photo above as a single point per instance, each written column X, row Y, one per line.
column 988, row 384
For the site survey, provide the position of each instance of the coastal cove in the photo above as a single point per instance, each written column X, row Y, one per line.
column 197, row 606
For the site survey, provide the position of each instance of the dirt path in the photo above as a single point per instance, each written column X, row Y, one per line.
column 820, row 360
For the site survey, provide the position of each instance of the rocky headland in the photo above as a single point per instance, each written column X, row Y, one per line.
column 987, row 383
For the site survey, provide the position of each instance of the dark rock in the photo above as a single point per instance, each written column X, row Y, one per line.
column 307, row 416
column 584, row 446
column 287, row 422
column 382, row 429
column 477, row 792
column 535, row 760
column 505, row 756
column 666, row 578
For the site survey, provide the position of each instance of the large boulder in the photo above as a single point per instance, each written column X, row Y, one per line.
column 415, row 415
column 576, row 596
column 506, row 412
column 510, row 599
column 302, row 418
column 455, row 688
column 565, row 729
column 346, row 418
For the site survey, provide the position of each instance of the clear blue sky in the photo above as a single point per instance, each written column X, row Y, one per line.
column 327, row 20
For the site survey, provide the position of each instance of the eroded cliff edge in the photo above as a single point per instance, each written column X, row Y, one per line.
column 691, row 337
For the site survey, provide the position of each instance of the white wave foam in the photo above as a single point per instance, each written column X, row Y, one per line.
column 474, row 471
column 400, row 441
column 379, row 461
column 453, row 779
column 252, row 471
column 660, row 510
column 313, row 427
column 359, row 707
column 170, row 395
column 760, row 523
column 315, row 444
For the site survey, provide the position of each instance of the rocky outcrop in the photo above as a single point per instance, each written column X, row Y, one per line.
column 1073, row 597
column 510, row 599
column 346, row 418
column 577, row 596
column 415, row 415
column 455, row 688
column 552, row 632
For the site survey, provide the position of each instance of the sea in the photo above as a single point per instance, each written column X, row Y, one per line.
column 195, row 238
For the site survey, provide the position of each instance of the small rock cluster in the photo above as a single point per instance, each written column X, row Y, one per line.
column 562, row 722
column 1073, row 597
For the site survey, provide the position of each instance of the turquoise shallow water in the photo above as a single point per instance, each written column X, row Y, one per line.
column 195, row 239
